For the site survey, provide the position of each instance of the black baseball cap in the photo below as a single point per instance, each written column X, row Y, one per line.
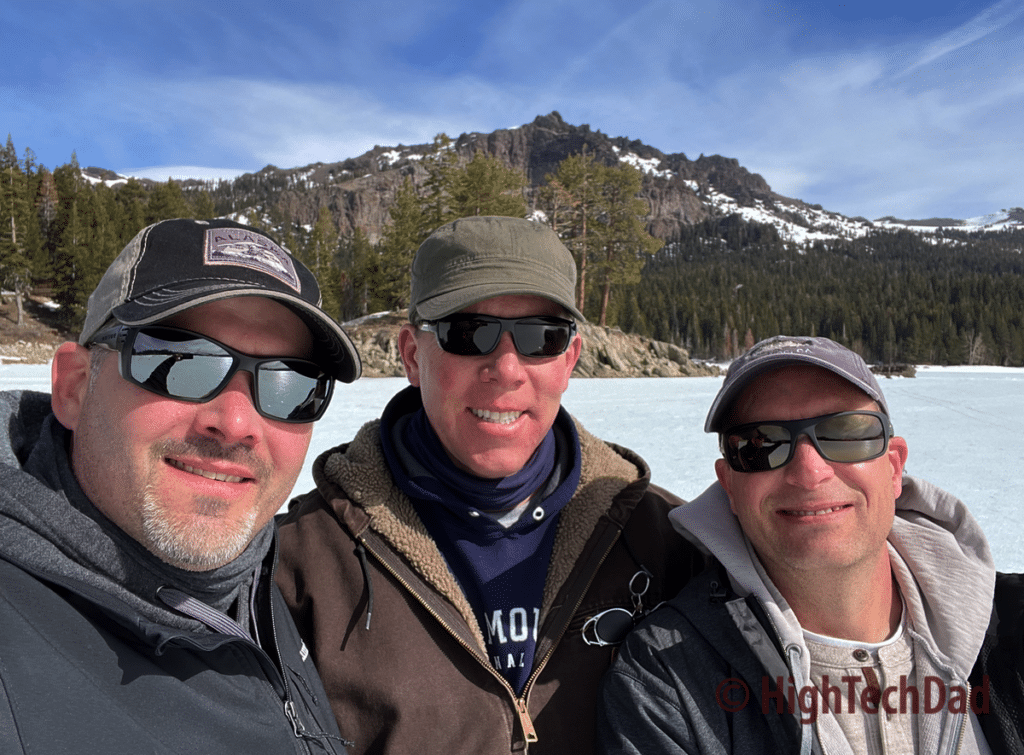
column 175, row 265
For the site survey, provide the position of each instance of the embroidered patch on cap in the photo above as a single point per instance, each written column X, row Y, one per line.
column 232, row 246
column 777, row 345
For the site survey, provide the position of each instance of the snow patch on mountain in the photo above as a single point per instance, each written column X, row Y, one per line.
column 648, row 165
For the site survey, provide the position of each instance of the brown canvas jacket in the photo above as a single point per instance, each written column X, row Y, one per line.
column 397, row 645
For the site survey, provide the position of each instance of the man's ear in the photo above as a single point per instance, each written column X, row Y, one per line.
column 724, row 473
column 408, row 348
column 897, row 453
column 572, row 356
column 69, row 380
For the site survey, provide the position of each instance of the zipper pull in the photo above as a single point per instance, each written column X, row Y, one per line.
column 293, row 717
column 526, row 721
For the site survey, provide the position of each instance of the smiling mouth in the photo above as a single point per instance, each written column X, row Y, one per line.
column 204, row 473
column 501, row 418
column 819, row 512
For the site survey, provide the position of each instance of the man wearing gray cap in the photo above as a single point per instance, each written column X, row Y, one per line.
column 467, row 565
column 138, row 610
column 844, row 600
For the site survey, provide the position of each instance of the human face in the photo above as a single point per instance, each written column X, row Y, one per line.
column 193, row 483
column 811, row 516
column 490, row 411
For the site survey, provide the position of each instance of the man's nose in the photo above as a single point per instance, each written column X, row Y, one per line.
column 231, row 415
column 807, row 468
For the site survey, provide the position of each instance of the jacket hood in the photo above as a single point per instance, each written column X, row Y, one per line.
column 938, row 552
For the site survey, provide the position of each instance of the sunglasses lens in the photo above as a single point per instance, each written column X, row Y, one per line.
column 468, row 337
column 850, row 437
column 179, row 365
column 292, row 389
column 539, row 338
column 758, row 448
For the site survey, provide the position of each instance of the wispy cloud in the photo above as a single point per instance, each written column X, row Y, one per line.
column 987, row 22
column 909, row 119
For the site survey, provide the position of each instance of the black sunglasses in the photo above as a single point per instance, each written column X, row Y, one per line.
column 470, row 335
column 845, row 437
column 188, row 366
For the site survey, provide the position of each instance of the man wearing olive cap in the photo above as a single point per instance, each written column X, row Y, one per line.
column 468, row 564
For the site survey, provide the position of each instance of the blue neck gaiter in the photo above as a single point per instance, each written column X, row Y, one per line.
column 500, row 569
column 443, row 479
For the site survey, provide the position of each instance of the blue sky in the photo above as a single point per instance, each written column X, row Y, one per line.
column 867, row 108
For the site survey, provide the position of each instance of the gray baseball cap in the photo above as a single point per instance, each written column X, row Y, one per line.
column 174, row 265
column 780, row 351
column 476, row 258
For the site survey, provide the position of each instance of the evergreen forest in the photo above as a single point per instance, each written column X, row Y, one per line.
column 893, row 296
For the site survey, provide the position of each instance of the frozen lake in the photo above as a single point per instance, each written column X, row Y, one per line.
column 949, row 417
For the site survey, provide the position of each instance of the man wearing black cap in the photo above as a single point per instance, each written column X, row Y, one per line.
column 138, row 611
column 844, row 600
column 469, row 563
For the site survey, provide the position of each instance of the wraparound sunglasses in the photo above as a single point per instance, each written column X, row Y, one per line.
column 845, row 437
column 179, row 364
column 469, row 335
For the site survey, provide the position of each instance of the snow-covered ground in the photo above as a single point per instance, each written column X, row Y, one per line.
column 955, row 420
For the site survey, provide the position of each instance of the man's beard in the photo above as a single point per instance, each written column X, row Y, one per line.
column 201, row 538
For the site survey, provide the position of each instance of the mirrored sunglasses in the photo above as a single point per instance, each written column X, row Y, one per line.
column 845, row 437
column 187, row 366
column 472, row 335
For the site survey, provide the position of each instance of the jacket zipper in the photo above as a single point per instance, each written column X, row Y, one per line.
column 521, row 703
column 290, row 711
column 575, row 607
column 524, row 717
column 964, row 721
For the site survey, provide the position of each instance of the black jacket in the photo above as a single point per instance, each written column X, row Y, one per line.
column 88, row 666
column 79, row 673
column 687, row 681
column 1000, row 666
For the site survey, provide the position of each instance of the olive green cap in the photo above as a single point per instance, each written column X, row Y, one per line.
column 477, row 258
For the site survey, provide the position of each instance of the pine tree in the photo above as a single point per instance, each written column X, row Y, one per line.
column 68, row 233
column 623, row 235
column 131, row 198
column 486, row 186
column 356, row 254
column 388, row 276
column 202, row 205
column 166, row 202
column 574, row 206
column 319, row 257
column 441, row 165
column 15, row 216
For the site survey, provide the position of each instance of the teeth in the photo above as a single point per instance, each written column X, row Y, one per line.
column 204, row 473
column 814, row 513
column 502, row 418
